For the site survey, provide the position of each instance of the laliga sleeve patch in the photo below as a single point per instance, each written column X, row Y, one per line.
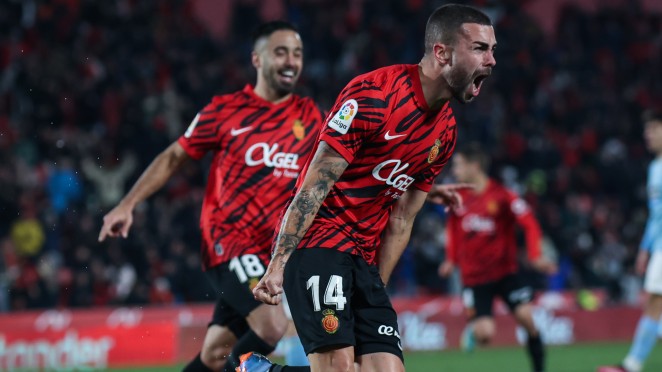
column 344, row 117
column 191, row 127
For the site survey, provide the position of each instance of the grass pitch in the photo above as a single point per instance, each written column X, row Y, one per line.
column 574, row 358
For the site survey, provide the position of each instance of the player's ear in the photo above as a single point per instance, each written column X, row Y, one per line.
column 255, row 59
column 442, row 53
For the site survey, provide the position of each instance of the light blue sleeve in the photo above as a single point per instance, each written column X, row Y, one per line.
column 652, row 239
column 648, row 238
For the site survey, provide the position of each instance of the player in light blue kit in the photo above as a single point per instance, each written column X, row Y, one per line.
column 649, row 260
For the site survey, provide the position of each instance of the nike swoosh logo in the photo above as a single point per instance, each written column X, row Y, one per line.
column 235, row 132
column 389, row 137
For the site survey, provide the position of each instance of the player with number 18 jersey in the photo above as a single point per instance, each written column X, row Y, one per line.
column 259, row 149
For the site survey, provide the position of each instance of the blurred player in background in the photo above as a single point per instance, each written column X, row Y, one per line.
column 260, row 138
column 390, row 133
column 482, row 243
column 649, row 259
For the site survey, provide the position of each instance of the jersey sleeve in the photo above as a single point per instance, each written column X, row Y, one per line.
column 527, row 221
column 203, row 134
column 358, row 111
column 452, row 238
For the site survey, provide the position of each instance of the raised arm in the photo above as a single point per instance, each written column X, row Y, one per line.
column 323, row 172
column 398, row 230
column 118, row 221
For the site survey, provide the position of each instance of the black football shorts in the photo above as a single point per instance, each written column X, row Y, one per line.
column 478, row 299
column 233, row 282
column 337, row 299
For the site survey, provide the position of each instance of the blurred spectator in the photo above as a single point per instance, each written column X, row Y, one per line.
column 109, row 178
column 63, row 185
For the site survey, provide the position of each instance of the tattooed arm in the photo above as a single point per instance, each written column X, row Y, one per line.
column 398, row 230
column 324, row 170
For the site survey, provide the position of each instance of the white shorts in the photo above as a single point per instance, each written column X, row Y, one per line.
column 653, row 280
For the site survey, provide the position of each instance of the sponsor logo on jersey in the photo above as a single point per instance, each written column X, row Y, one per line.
column 342, row 120
column 298, row 130
column 434, row 151
column 263, row 153
column 191, row 127
column 330, row 321
column 395, row 176
column 476, row 223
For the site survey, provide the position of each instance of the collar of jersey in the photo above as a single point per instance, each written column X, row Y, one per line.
column 415, row 76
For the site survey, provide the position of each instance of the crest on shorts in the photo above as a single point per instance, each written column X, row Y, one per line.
column 434, row 151
column 252, row 283
column 330, row 321
column 298, row 129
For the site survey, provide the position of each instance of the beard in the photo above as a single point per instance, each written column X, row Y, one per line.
column 460, row 81
column 281, row 88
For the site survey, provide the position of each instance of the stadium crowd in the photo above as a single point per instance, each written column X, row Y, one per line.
column 91, row 91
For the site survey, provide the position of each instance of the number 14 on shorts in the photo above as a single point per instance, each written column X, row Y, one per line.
column 333, row 295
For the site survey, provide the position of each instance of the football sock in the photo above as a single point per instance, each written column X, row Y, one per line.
column 294, row 353
column 277, row 368
column 537, row 352
column 248, row 342
column 644, row 339
column 196, row 365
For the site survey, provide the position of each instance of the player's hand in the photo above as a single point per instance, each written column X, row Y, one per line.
column 545, row 266
column 642, row 262
column 117, row 222
column 446, row 269
column 270, row 287
column 448, row 195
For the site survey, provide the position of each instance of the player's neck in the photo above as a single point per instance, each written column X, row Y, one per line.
column 263, row 91
column 435, row 88
column 480, row 183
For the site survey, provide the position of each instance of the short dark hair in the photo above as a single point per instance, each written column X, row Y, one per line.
column 445, row 22
column 474, row 153
column 651, row 115
column 268, row 28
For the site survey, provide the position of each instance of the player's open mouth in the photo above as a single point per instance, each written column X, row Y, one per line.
column 478, row 81
column 287, row 75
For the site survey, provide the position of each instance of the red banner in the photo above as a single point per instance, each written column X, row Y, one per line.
column 100, row 338
column 428, row 323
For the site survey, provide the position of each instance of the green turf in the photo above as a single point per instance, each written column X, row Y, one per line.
column 575, row 358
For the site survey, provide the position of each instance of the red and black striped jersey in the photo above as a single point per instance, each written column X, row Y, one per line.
column 259, row 149
column 382, row 126
column 481, row 234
